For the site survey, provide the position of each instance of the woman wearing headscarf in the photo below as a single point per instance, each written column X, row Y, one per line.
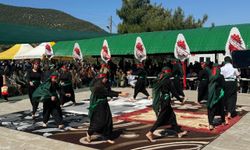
column 34, row 80
column 48, row 93
column 215, row 96
column 161, row 104
column 99, row 110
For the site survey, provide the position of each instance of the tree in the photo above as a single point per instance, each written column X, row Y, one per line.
column 142, row 16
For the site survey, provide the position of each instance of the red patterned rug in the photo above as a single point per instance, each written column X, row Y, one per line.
column 129, row 129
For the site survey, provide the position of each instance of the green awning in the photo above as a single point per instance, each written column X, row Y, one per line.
column 13, row 34
column 201, row 40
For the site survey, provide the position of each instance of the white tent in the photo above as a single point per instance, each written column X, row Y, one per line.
column 37, row 52
column 23, row 49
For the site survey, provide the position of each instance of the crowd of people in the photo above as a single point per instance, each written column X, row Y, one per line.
column 82, row 73
column 53, row 84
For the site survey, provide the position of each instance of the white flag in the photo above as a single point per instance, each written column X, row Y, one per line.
column 105, row 53
column 234, row 42
column 48, row 50
column 77, row 53
column 140, row 50
column 181, row 50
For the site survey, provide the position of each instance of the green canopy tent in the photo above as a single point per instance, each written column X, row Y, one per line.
column 201, row 40
column 15, row 33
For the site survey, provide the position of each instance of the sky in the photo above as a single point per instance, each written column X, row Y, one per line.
column 220, row 12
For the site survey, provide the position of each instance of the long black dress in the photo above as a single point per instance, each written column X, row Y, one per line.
column 35, row 78
column 99, row 110
column 177, row 74
column 140, row 85
column 161, row 104
column 66, row 87
column 203, row 85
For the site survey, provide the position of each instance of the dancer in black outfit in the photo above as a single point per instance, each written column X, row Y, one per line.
column 34, row 80
column 177, row 74
column 48, row 93
column 140, row 85
column 67, row 92
column 203, row 85
column 215, row 103
column 99, row 110
column 161, row 104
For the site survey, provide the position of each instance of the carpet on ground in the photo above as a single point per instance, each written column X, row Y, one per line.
column 129, row 128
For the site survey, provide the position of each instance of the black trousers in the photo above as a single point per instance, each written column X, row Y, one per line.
column 64, row 98
column 203, row 90
column 140, row 87
column 166, row 117
column 230, row 97
column 178, row 86
column 54, row 109
column 217, row 109
column 33, row 103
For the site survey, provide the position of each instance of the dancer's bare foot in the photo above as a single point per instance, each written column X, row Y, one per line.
column 198, row 103
column 229, row 116
column 211, row 127
column 226, row 121
column 88, row 138
column 184, row 100
column 111, row 141
column 131, row 99
column 149, row 136
column 44, row 125
column 181, row 134
column 61, row 126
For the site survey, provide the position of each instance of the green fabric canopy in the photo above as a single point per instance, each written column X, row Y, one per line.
column 14, row 34
column 201, row 40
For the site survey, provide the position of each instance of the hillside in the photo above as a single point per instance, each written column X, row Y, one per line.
column 44, row 18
